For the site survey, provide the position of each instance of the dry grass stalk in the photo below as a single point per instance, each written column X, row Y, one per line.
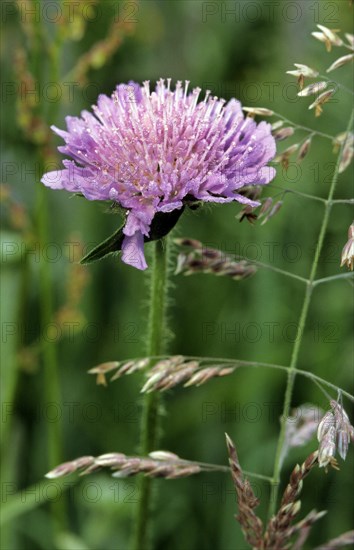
column 165, row 374
column 168, row 373
column 157, row 464
column 200, row 259
column 280, row 529
column 251, row 524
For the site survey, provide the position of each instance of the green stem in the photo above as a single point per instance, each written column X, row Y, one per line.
column 51, row 378
column 49, row 354
column 333, row 278
column 150, row 420
column 343, row 201
column 302, row 322
column 48, row 348
column 311, row 197
column 275, row 269
column 300, row 127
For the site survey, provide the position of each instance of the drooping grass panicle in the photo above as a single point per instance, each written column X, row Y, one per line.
column 204, row 369
column 157, row 464
column 166, row 373
column 197, row 258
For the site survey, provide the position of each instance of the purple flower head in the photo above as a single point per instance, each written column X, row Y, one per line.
column 151, row 152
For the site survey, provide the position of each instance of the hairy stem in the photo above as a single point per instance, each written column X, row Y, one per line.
column 150, row 421
column 296, row 348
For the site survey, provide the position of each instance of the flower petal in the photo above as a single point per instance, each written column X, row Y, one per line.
column 54, row 179
column 154, row 151
column 133, row 251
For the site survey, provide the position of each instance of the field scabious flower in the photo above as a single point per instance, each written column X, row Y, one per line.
column 156, row 151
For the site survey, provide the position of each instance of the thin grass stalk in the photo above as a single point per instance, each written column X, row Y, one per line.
column 300, row 127
column 150, row 426
column 49, row 352
column 298, row 341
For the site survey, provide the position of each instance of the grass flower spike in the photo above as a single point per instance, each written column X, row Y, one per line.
column 153, row 152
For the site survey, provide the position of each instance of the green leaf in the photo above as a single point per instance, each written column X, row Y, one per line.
column 161, row 225
column 109, row 246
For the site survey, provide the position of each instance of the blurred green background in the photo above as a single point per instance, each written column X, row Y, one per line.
column 237, row 49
